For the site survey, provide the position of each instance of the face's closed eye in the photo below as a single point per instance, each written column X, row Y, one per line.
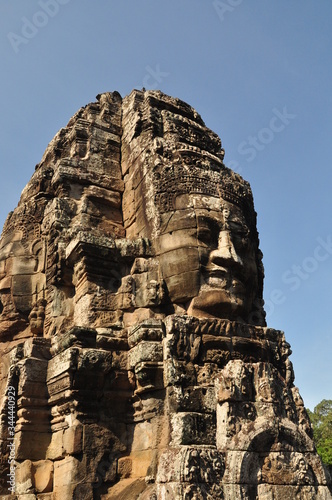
column 240, row 235
column 208, row 231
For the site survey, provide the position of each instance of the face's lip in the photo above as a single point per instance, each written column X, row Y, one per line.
column 222, row 272
column 216, row 271
column 216, row 275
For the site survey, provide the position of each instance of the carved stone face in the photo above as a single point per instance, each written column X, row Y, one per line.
column 197, row 213
column 208, row 257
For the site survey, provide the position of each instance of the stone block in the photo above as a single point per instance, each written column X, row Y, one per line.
column 179, row 261
column 181, row 219
column 145, row 351
column 149, row 330
column 184, row 286
column 192, row 399
column 193, row 429
column 281, row 492
column 43, row 476
column 119, row 360
column 32, row 370
column 61, row 363
column 237, row 472
column 72, row 439
column 139, row 315
column 146, row 435
column 125, row 489
column 67, row 473
column 24, row 477
column 124, row 467
column 113, row 198
column 179, row 373
column 55, row 450
column 31, row 445
column 142, row 463
column 149, row 376
column 37, row 348
column 191, row 464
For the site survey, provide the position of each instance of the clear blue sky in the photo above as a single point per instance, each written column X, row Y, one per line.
column 259, row 72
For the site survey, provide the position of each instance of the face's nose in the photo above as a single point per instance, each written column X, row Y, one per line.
column 226, row 253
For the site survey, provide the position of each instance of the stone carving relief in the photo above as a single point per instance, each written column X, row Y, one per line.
column 286, row 468
column 132, row 325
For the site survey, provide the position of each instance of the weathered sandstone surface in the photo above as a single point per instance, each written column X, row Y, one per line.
column 135, row 361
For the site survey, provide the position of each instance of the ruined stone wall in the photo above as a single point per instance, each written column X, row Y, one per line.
column 135, row 361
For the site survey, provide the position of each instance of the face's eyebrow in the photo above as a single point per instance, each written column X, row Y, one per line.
column 238, row 224
column 209, row 223
column 210, row 215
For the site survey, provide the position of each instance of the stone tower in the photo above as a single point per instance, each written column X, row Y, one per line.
column 135, row 358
